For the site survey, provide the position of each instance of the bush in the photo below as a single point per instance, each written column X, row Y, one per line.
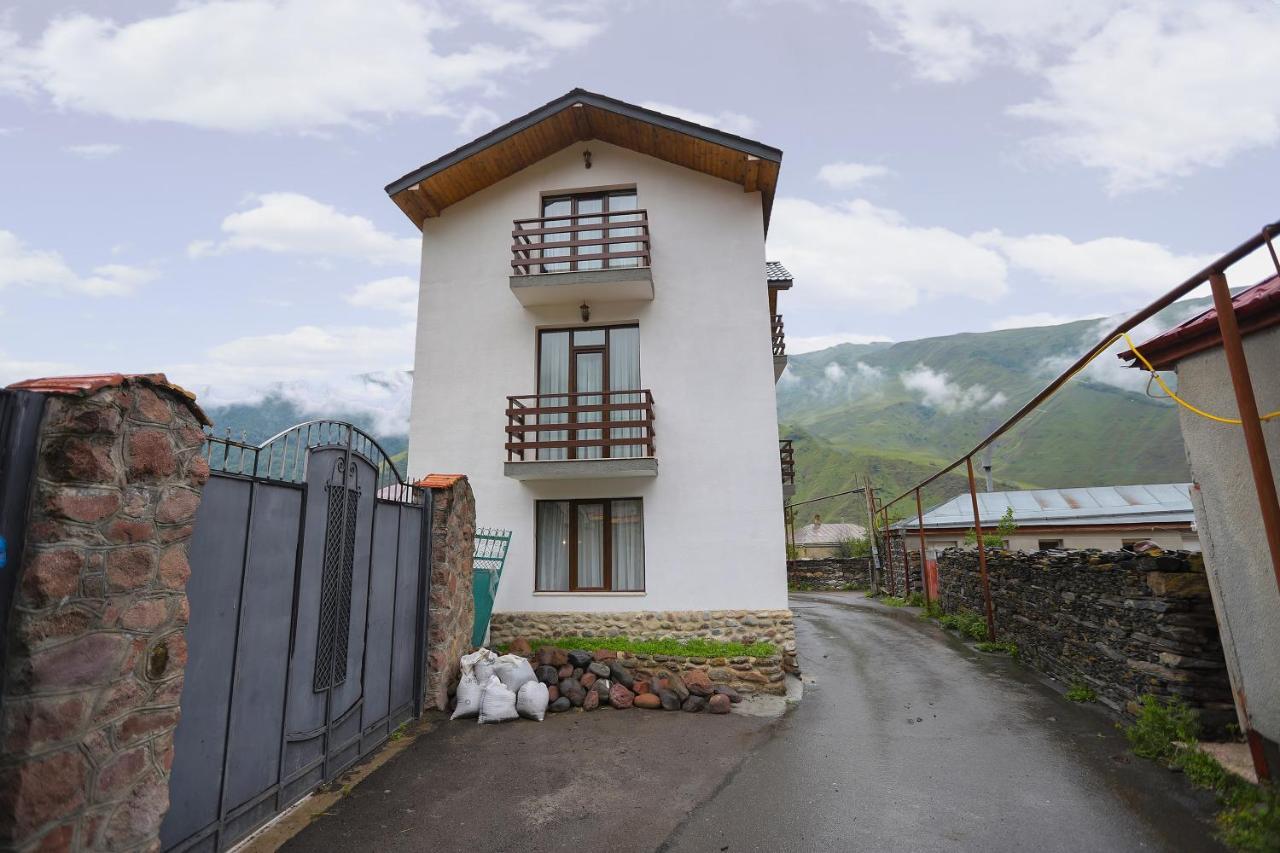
column 1160, row 727
column 916, row 599
column 857, row 546
column 932, row 610
column 1081, row 692
column 972, row 625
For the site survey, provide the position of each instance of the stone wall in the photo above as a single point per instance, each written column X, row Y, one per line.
column 892, row 576
column 96, row 639
column 737, row 626
column 747, row 675
column 829, row 573
column 1121, row 623
column 452, row 610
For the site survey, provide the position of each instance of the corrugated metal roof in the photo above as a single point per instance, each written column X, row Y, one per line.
column 828, row 533
column 1160, row 502
column 774, row 271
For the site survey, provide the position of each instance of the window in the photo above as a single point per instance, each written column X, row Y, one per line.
column 1049, row 545
column 590, row 546
column 582, row 361
column 603, row 209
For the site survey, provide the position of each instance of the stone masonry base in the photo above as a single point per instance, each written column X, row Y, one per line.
column 736, row 626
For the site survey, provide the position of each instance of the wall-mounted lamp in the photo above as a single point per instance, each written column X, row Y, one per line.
column 586, row 158
column 586, row 312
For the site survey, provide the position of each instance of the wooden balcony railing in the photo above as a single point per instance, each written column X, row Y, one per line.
column 584, row 241
column 788, row 454
column 779, row 337
column 580, row 425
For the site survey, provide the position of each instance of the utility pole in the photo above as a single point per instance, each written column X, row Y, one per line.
column 870, row 495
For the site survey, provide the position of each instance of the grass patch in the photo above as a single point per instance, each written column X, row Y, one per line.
column 972, row 625
column 399, row 733
column 1007, row 647
column 893, row 601
column 1081, row 692
column 676, row 648
column 915, row 599
column 1249, row 815
column 932, row 610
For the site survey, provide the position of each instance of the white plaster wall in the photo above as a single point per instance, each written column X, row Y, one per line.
column 713, row 515
column 1230, row 523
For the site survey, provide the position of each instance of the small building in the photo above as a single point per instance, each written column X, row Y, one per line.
column 1237, row 559
column 597, row 348
column 1109, row 518
column 824, row 538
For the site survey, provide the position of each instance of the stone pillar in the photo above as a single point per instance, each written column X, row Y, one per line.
column 452, row 610
column 96, row 641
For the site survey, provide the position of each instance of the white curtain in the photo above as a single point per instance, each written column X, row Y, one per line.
column 624, row 375
column 553, row 545
column 628, row 545
column 590, row 546
column 624, row 202
column 553, row 378
column 590, row 377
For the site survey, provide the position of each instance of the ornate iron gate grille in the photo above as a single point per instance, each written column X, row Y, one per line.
column 308, row 600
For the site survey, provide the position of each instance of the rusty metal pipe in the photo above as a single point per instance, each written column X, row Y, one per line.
column 1217, row 267
column 982, row 556
column 924, row 560
column 888, row 553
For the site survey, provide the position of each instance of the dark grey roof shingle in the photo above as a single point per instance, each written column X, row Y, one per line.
column 774, row 271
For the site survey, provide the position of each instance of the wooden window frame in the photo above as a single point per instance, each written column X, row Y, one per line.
column 1041, row 542
column 574, row 198
column 574, row 350
column 571, row 543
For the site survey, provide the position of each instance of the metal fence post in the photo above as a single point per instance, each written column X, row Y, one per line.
column 924, row 560
column 982, row 555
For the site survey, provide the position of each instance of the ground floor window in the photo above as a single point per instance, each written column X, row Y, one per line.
column 590, row 546
column 1049, row 545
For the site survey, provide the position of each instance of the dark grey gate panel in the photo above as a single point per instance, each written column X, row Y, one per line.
column 307, row 612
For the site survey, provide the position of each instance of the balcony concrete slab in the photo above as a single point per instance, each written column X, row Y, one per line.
column 626, row 284
column 582, row 469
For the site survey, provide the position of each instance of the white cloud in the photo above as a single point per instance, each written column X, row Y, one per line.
column 93, row 150
column 1147, row 91
column 23, row 266
column 813, row 343
column 847, row 175
column 1035, row 318
column 398, row 293
column 854, row 253
column 297, row 224
column 478, row 120
column 255, row 65
column 15, row 370
column 937, row 391
column 726, row 120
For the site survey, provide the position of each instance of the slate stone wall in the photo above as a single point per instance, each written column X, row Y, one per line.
column 829, row 573
column 452, row 609
column 96, row 639
column 1122, row 623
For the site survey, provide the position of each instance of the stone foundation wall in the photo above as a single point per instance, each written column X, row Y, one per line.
column 452, row 609
column 829, row 573
column 747, row 675
column 737, row 626
column 1122, row 623
column 96, row 643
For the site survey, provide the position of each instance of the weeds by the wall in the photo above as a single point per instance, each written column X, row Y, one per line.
column 972, row 625
column 1081, row 692
column 1007, row 647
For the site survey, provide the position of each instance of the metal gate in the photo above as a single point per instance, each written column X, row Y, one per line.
column 308, row 597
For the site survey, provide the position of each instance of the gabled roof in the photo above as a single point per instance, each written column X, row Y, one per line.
column 1162, row 503
column 1256, row 309
column 777, row 276
column 829, row 533
column 576, row 117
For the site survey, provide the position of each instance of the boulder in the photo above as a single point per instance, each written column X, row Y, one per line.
column 604, row 655
column 565, row 671
column 548, row 675
column 719, row 704
column 647, row 700
column 552, row 656
column 621, row 674
column 620, row 697
column 726, row 690
column 520, row 646
column 698, row 682
column 572, row 690
column 639, row 687
column 561, row 704
column 578, row 672
column 579, row 658
column 587, row 680
column 601, row 687
column 591, row 701
column 669, row 700
column 600, row 669
column 693, row 704
column 553, row 693
column 676, row 685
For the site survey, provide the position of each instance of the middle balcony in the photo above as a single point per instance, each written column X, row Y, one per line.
column 601, row 256
column 580, row 435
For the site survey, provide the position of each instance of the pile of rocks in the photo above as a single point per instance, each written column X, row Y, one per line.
column 603, row 679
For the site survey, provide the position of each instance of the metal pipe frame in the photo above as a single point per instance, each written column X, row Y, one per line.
column 924, row 559
column 989, row 611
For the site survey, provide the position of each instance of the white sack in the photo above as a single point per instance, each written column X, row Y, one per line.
column 480, row 664
column 514, row 671
column 531, row 701
column 469, row 695
column 498, row 703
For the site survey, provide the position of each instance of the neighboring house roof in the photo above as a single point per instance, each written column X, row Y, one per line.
column 776, row 275
column 1162, row 503
column 579, row 116
column 828, row 533
column 1256, row 309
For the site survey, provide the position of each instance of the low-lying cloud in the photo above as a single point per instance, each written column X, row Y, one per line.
column 938, row 391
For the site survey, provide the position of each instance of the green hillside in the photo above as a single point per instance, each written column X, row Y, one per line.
column 900, row 411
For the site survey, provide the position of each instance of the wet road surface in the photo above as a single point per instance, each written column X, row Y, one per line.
column 907, row 739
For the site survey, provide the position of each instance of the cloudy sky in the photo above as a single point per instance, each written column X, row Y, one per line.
column 197, row 187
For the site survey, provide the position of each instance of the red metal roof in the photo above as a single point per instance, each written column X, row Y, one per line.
column 90, row 383
column 439, row 481
column 1256, row 309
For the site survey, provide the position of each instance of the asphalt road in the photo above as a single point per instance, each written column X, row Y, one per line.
column 906, row 739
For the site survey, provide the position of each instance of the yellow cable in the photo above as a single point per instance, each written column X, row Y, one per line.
column 1172, row 396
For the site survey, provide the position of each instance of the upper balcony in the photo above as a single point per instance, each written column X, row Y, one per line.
column 580, row 435
column 779, row 348
column 787, row 454
column 596, row 257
